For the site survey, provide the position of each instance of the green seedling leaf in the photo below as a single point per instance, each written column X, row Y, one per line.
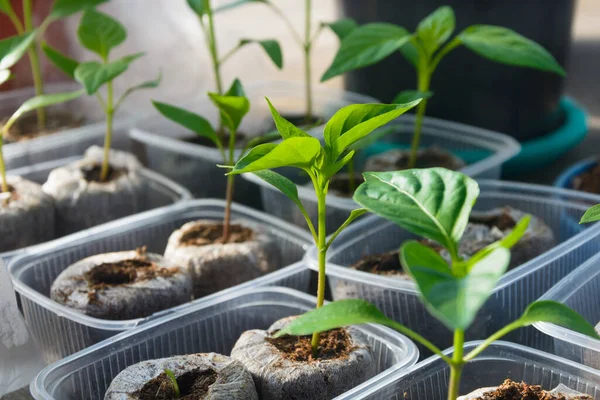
column 408, row 96
column 64, row 63
column 271, row 47
column 434, row 203
column 92, row 74
column 354, row 214
column 558, row 314
column 64, row 8
column 411, row 54
column 591, row 215
column 13, row 48
column 372, row 138
column 236, row 89
column 356, row 121
column 189, row 120
column 173, row 380
column 454, row 300
column 237, row 3
column 342, row 27
column 282, row 183
column 200, row 7
column 266, row 138
column 286, row 128
column 100, row 33
column 367, row 45
column 150, row 84
column 436, row 28
column 232, row 109
column 508, row 47
column 5, row 75
column 299, row 152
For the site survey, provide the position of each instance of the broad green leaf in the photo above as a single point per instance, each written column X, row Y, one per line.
column 237, row 3
column 236, row 89
column 299, row 152
column 271, row 47
column 286, row 128
column 100, row 33
column 64, row 8
column 411, row 54
column 92, row 75
column 436, row 28
column 232, row 109
column 591, row 215
column 556, row 313
column 342, row 27
column 407, row 96
column 5, row 75
column 356, row 121
column 64, row 63
column 508, row 47
column 189, row 120
column 283, row 184
column 13, row 48
column 366, row 45
column 434, row 203
column 200, row 7
column 454, row 300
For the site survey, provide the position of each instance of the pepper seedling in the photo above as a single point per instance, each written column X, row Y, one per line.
column 100, row 33
column 173, row 380
column 591, row 215
column 435, row 204
column 428, row 45
column 321, row 162
column 60, row 9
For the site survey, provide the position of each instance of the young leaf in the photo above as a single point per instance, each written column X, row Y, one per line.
column 434, row 203
column 200, row 7
column 354, row 214
column 5, row 75
column 64, row 8
column 173, row 380
column 342, row 27
column 454, row 300
column 100, row 33
column 356, row 121
column 64, row 63
column 92, row 74
column 591, row 215
column 284, row 185
column 556, row 313
column 286, row 128
column 411, row 54
column 372, row 138
column 232, row 109
column 236, row 89
column 271, row 47
column 407, row 96
column 366, row 45
column 13, row 48
column 508, row 47
column 189, row 120
column 436, row 28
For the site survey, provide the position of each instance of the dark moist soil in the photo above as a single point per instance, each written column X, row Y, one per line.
column 334, row 344
column 202, row 235
column 26, row 127
column 240, row 140
column 503, row 221
column 193, row 385
column 510, row 390
column 124, row 273
column 429, row 159
column 92, row 172
column 588, row 181
column 341, row 184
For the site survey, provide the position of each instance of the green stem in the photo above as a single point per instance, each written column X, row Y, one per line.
column 108, row 137
column 307, row 62
column 212, row 46
column 322, row 247
column 423, row 86
column 34, row 60
column 5, row 187
column 230, row 187
column 456, row 365
column 504, row 331
column 351, row 177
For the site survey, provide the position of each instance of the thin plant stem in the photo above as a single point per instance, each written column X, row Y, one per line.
column 424, row 77
column 307, row 62
column 212, row 46
column 456, row 365
column 34, row 60
column 499, row 334
column 5, row 187
column 322, row 247
column 351, row 177
column 108, row 137
column 230, row 187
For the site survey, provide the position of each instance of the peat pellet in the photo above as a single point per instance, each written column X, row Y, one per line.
column 82, row 200
column 208, row 376
column 397, row 159
column 121, row 285
column 198, row 247
column 284, row 368
column 26, row 215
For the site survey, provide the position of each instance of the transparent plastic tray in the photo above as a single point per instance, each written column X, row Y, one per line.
column 428, row 380
column 161, row 191
column 484, row 151
column 68, row 142
column 516, row 289
column 61, row 331
column 212, row 326
column 580, row 290
column 157, row 140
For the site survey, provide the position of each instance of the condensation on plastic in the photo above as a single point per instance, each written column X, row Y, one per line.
column 68, row 142
column 212, row 326
column 580, row 290
column 398, row 298
column 490, row 148
column 61, row 331
column 157, row 140
column 428, row 380
column 161, row 191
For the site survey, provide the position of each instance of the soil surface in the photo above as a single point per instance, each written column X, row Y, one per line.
column 588, row 181
column 202, row 235
column 340, row 184
column 240, row 140
column 193, row 385
column 334, row 344
column 503, row 221
column 510, row 390
column 91, row 173
column 381, row 264
column 26, row 127
column 430, row 158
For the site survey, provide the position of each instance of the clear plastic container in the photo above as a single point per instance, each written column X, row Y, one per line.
column 68, row 142
column 580, row 290
column 211, row 326
column 162, row 191
column 61, row 331
column 428, row 380
column 160, row 142
column 484, row 151
column 516, row 289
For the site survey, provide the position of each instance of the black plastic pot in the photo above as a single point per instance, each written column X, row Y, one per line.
column 521, row 102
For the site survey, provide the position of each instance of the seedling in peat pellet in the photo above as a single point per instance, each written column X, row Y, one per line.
column 427, row 46
column 436, row 204
column 100, row 33
column 300, row 150
column 173, row 380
